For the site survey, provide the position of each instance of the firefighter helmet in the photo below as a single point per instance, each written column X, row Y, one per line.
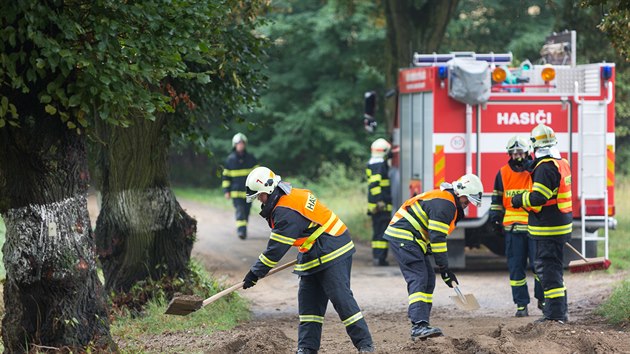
column 237, row 138
column 517, row 143
column 469, row 186
column 380, row 147
column 260, row 180
column 543, row 136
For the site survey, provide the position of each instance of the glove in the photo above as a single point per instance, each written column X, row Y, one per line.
column 517, row 201
column 250, row 280
column 497, row 228
column 380, row 206
column 448, row 277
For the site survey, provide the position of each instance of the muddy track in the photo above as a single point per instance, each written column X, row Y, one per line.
column 381, row 293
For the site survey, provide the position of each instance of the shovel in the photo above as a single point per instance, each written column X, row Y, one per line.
column 466, row 302
column 183, row 305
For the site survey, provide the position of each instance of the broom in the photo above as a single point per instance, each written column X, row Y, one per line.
column 587, row 264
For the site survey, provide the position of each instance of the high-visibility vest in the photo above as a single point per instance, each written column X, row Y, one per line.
column 305, row 203
column 426, row 196
column 514, row 183
column 562, row 195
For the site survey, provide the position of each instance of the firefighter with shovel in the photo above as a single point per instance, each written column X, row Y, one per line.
column 512, row 179
column 418, row 229
column 298, row 218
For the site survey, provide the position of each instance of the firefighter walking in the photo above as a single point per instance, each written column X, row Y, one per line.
column 418, row 229
column 550, row 219
column 379, row 198
column 238, row 165
column 512, row 179
column 298, row 218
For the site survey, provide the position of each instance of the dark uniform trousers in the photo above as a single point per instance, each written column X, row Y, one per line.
column 380, row 221
column 420, row 277
column 548, row 266
column 332, row 283
column 242, row 214
column 519, row 248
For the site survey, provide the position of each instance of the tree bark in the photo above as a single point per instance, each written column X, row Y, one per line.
column 412, row 27
column 141, row 232
column 52, row 295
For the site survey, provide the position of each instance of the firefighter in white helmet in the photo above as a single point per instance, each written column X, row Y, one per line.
column 550, row 219
column 379, row 198
column 514, row 178
column 238, row 165
column 297, row 218
column 418, row 229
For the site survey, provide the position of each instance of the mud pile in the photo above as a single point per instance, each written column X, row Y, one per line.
column 254, row 340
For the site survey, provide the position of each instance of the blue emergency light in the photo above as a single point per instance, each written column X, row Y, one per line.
column 606, row 72
column 442, row 72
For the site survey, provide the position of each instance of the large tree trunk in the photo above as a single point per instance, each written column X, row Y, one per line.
column 141, row 232
column 52, row 295
column 412, row 27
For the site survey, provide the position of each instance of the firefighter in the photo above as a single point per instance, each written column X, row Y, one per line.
column 298, row 218
column 550, row 220
column 419, row 229
column 238, row 165
column 514, row 178
column 379, row 199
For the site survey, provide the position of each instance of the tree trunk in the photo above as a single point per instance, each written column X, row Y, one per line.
column 141, row 232
column 412, row 27
column 52, row 295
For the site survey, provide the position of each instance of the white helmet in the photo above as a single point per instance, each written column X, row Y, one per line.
column 261, row 180
column 237, row 138
column 470, row 186
column 380, row 147
column 517, row 143
column 543, row 136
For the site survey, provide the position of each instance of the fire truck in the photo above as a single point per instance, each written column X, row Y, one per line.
column 456, row 112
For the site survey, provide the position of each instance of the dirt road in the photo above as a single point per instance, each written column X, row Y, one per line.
column 381, row 292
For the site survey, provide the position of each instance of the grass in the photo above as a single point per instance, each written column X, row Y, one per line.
column 3, row 230
column 222, row 315
column 620, row 238
column 212, row 197
column 617, row 308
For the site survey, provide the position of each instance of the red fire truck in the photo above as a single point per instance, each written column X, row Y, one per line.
column 439, row 136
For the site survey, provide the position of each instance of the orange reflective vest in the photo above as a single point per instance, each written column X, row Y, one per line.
column 426, row 196
column 562, row 195
column 514, row 183
column 305, row 203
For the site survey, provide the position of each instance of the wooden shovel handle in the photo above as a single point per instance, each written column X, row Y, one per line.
column 235, row 287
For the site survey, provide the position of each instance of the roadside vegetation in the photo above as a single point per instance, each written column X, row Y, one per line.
column 344, row 192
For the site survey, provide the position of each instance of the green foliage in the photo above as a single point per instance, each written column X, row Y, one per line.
column 617, row 308
column 327, row 55
column 106, row 59
column 614, row 22
column 224, row 314
column 499, row 26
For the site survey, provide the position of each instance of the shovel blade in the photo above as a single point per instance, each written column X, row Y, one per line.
column 469, row 304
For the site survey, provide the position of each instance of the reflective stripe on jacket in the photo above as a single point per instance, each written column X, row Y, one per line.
column 415, row 215
column 514, row 183
column 305, row 203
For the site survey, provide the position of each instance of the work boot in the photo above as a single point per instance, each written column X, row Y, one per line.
column 541, row 305
column 380, row 262
column 242, row 235
column 521, row 311
column 305, row 351
column 547, row 320
column 367, row 349
column 421, row 330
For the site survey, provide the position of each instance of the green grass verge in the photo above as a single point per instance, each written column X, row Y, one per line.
column 617, row 308
column 212, row 197
column 620, row 238
column 223, row 314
